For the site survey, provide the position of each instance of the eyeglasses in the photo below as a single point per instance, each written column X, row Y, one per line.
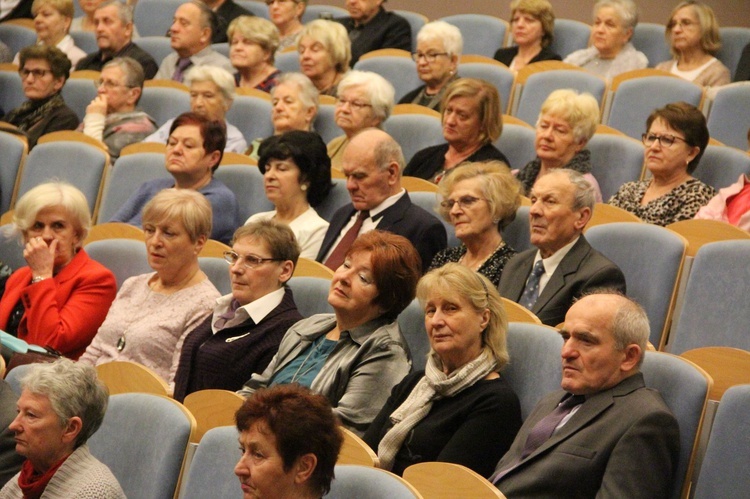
column 355, row 104
column 38, row 73
column 270, row 2
column 463, row 202
column 109, row 85
column 251, row 261
column 684, row 24
column 430, row 57
column 664, row 140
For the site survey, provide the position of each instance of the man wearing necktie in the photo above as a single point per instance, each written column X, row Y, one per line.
column 372, row 164
column 563, row 266
column 604, row 434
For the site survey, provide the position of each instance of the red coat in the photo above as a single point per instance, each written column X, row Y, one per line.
column 64, row 312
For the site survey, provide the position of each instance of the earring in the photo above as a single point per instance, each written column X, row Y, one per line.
column 303, row 187
column 495, row 221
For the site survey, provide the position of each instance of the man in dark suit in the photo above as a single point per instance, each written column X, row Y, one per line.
column 10, row 460
column 605, row 434
column 226, row 12
column 562, row 204
column 372, row 163
column 371, row 27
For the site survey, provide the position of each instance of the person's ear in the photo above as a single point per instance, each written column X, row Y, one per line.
column 584, row 215
column 287, row 270
column 304, row 468
column 200, row 243
column 72, row 429
column 633, row 355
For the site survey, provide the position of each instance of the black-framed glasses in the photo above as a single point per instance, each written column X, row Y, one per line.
column 665, row 140
column 430, row 56
column 463, row 202
column 38, row 73
column 250, row 261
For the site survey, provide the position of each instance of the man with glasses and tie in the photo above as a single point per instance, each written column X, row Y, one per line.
column 372, row 164
column 112, row 116
column 604, row 434
column 563, row 266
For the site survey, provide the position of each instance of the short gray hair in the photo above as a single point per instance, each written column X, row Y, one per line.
column 219, row 76
column 73, row 389
column 581, row 111
column 124, row 11
column 379, row 90
column 445, row 32
column 626, row 10
column 131, row 68
column 584, row 195
column 386, row 151
column 308, row 93
column 49, row 195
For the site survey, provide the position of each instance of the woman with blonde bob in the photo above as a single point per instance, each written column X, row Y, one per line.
column 252, row 45
column 479, row 199
column 532, row 23
column 439, row 47
column 365, row 100
column 472, row 121
column 693, row 36
column 566, row 122
column 154, row 312
column 324, row 54
column 460, row 409
column 52, row 20
column 61, row 298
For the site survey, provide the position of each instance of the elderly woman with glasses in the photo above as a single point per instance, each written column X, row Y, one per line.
column 479, row 200
column 693, row 36
column 439, row 47
column 365, row 100
column 286, row 15
column 532, row 23
column 243, row 333
column 674, row 143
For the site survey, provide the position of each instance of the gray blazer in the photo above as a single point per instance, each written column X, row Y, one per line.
column 359, row 373
column 622, row 442
column 582, row 269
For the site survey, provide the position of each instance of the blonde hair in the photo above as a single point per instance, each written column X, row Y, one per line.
column 488, row 101
column 186, row 206
column 541, row 10
column 258, row 30
column 581, row 111
column 51, row 195
column 710, row 36
column 456, row 280
column 64, row 7
column 334, row 38
column 499, row 186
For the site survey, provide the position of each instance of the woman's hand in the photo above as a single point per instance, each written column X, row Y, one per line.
column 40, row 257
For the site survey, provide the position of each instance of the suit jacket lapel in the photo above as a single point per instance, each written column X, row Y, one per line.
column 394, row 214
column 334, row 229
column 516, row 286
column 568, row 265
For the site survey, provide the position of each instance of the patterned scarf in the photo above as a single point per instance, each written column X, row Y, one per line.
column 31, row 112
column 435, row 385
column 581, row 163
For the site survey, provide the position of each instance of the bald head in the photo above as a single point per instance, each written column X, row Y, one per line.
column 372, row 164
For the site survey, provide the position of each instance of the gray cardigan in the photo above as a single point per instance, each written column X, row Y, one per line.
column 358, row 375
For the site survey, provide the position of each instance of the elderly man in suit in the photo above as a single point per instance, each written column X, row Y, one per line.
column 605, row 434
column 372, row 164
column 564, row 266
column 10, row 460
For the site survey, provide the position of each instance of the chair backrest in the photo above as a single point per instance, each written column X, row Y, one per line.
column 634, row 95
column 211, row 471
column 14, row 155
column 131, row 377
column 519, row 313
column 11, row 249
column 416, row 184
column 615, row 160
column 427, row 201
column 606, row 213
column 246, row 182
column 569, row 36
column 364, row 482
column 78, row 94
column 142, row 440
column 126, row 177
column 63, row 160
column 649, row 39
column 721, row 166
column 257, row 7
column 2, row 366
column 16, row 36
column 157, row 46
column 85, row 40
column 517, row 234
column 337, row 197
column 517, row 143
column 214, row 249
column 288, row 61
column 651, row 258
column 401, row 72
column 124, row 257
column 311, row 295
column 13, row 376
column 164, row 100
column 534, row 369
column 436, row 480
column 310, row 268
column 733, row 41
column 494, row 72
column 411, row 322
column 252, row 116
column 154, row 17
column 724, row 469
column 313, row 12
column 715, row 311
column 354, row 450
column 114, row 230
column 416, row 22
column 414, row 132
column 729, row 117
column 698, row 232
column 325, row 123
column 12, row 95
column 212, row 409
column 492, row 29
column 684, row 388
column 217, row 271
column 530, row 96
column 727, row 367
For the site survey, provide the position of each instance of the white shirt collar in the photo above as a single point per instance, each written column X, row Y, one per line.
column 256, row 310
